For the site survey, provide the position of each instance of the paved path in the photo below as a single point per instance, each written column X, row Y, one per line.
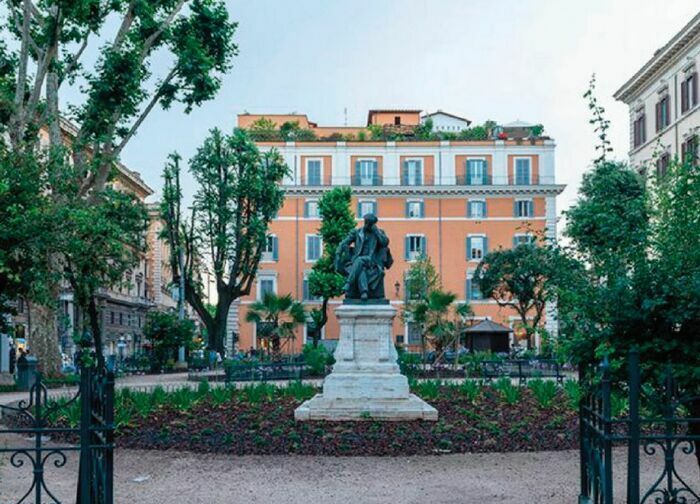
column 178, row 477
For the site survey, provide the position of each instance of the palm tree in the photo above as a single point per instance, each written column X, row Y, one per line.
column 440, row 319
column 276, row 316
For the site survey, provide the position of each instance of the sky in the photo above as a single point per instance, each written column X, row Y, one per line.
column 504, row 60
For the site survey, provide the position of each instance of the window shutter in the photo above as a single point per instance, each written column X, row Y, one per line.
column 406, row 250
column 424, row 245
column 375, row 173
column 515, row 241
column 469, row 248
column 356, row 176
column 486, row 246
column 374, row 207
column 406, row 208
column 694, row 89
column 306, row 209
column 305, row 289
column 469, row 208
column 422, row 209
column 684, row 95
column 515, row 209
column 404, row 173
column 467, row 171
column 484, row 206
column 275, row 248
column 468, row 292
column 359, row 209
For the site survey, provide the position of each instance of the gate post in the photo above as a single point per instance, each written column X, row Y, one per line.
column 634, row 429
column 85, row 476
column 607, row 442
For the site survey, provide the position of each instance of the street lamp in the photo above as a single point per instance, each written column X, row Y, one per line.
column 397, row 287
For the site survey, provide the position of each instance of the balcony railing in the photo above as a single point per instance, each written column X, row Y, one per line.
column 429, row 180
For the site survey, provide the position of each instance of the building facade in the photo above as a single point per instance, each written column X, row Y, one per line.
column 664, row 104
column 451, row 200
column 446, row 122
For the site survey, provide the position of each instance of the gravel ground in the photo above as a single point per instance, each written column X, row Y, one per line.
column 177, row 477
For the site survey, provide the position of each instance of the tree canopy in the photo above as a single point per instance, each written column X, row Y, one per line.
column 238, row 193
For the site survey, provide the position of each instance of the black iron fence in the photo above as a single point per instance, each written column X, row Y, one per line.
column 522, row 369
column 270, row 371
column 665, row 428
column 34, row 444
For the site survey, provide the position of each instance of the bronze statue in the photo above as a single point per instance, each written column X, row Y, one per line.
column 362, row 258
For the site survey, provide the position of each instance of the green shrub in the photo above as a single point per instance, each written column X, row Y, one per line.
column 257, row 393
column 470, row 389
column 203, row 388
column 473, row 361
column 544, row 391
column 299, row 391
column 317, row 359
column 429, row 389
column 220, row 395
column 509, row 393
column 573, row 392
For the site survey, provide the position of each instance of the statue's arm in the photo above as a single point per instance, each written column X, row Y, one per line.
column 382, row 238
column 341, row 251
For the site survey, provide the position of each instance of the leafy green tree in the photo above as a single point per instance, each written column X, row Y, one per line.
column 424, row 131
column 276, row 317
column 167, row 333
column 119, row 91
column 263, row 130
column 523, row 278
column 291, row 131
column 237, row 196
column 324, row 281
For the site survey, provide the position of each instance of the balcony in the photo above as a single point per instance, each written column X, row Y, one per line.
column 367, row 180
column 416, row 179
column 464, row 180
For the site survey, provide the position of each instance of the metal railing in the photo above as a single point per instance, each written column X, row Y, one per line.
column 460, row 180
column 521, row 369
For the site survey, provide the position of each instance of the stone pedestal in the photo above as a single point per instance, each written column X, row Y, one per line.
column 365, row 382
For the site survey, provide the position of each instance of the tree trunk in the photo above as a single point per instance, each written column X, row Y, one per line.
column 42, row 338
column 324, row 320
column 217, row 333
column 94, row 318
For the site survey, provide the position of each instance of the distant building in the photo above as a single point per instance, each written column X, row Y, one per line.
column 444, row 122
column 663, row 102
column 453, row 200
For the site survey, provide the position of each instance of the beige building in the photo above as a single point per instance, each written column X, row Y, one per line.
column 664, row 102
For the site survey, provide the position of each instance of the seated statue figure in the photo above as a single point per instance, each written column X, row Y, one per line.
column 362, row 258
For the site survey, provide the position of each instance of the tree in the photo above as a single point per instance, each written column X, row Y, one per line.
column 276, row 317
column 291, row 131
column 120, row 91
column 324, row 281
column 522, row 278
column 167, row 333
column 263, row 130
column 431, row 309
column 237, row 196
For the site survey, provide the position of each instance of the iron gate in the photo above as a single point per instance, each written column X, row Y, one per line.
column 665, row 428
column 95, row 433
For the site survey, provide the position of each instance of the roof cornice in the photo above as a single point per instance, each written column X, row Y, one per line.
column 442, row 190
column 661, row 58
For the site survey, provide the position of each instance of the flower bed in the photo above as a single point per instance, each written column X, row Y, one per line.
column 260, row 420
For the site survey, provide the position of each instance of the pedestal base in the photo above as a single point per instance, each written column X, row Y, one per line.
column 321, row 408
column 366, row 383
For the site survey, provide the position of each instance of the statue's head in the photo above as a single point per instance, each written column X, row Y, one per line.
column 370, row 220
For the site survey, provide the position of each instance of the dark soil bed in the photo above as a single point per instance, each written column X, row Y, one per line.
column 268, row 427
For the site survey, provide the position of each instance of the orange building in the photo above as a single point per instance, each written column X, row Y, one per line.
column 452, row 200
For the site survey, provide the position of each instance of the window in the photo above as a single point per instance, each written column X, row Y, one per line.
column 313, row 172
column 397, row 120
column 266, row 285
column 413, row 172
column 689, row 149
column 663, row 113
column 689, row 92
column 111, row 317
column 476, row 248
column 313, row 248
column 311, row 209
column 473, row 291
column 270, row 250
column 476, row 172
column 414, row 209
column 639, row 127
column 121, row 318
column 415, row 247
column 414, row 335
column 662, row 164
column 366, row 172
column 523, row 208
column 476, row 209
column 522, row 171
column 523, row 239
column 306, row 293
column 365, row 207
